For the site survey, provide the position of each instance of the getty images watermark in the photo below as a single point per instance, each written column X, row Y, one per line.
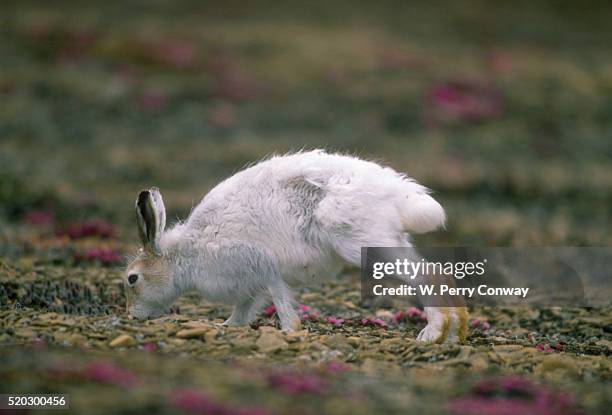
column 494, row 276
column 429, row 270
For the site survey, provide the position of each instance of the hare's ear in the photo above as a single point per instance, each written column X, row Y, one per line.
column 151, row 219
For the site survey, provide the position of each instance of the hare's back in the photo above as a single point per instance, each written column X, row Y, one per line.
column 299, row 194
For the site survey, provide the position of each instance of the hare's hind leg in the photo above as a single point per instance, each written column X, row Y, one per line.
column 446, row 323
column 449, row 312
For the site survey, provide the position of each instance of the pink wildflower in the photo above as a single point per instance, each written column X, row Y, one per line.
column 195, row 402
column 335, row 320
column 38, row 217
column 149, row 347
column 479, row 324
column 337, row 367
column 108, row 373
column 413, row 315
column 414, row 312
column 544, row 348
column 307, row 313
column 269, row 311
column 465, row 100
column 373, row 322
column 310, row 316
column 512, row 395
column 177, row 54
column 106, row 256
column 97, row 228
column 295, row 384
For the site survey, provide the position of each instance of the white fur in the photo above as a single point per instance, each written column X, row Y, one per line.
column 289, row 219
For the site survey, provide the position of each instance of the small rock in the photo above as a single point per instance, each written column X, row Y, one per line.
column 48, row 316
column 195, row 325
column 177, row 342
column 75, row 339
column 464, row 352
column 270, row 342
column 384, row 313
column 479, row 363
column 310, row 296
column 353, row 341
column 192, row 333
column 123, row 340
column 269, row 329
column 336, row 341
column 69, row 322
column 243, row 342
column 294, row 336
column 498, row 340
column 25, row 333
column 210, row 336
column 179, row 318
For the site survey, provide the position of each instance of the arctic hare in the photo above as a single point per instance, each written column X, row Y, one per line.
column 285, row 220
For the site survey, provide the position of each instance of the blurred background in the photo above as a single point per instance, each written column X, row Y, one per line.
column 504, row 110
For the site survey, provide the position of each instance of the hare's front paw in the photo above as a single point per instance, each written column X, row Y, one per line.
column 231, row 322
column 244, row 312
column 290, row 324
column 444, row 324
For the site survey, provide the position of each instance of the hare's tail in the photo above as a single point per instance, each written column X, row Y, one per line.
column 420, row 213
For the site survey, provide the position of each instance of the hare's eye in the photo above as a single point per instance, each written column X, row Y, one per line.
column 132, row 278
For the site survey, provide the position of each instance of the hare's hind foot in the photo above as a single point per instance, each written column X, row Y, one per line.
column 444, row 325
column 458, row 324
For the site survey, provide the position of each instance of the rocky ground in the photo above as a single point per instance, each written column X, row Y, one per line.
column 64, row 329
